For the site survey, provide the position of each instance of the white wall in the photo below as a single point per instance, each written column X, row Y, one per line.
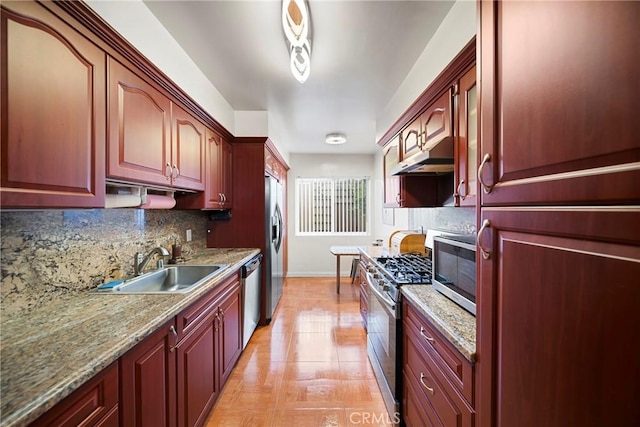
column 310, row 256
column 135, row 22
column 251, row 123
column 455, row 31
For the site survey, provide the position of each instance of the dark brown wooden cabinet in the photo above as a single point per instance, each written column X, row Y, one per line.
column 411, row 191
column 53, row 116
column 93, row 404
column 151, row 139
column 148, row 381
column 559, row 256
column 466, row 140
column 247, row 226
column 438, row 386
column 560, row 108
column 188, row 150
column 218, row 193
column 209, row 350
column 434, row 118
column 390, row 159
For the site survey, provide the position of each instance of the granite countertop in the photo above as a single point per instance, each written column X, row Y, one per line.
column 455, row 323
column 56, row 348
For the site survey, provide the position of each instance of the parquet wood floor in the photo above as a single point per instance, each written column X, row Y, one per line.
column 309, row 368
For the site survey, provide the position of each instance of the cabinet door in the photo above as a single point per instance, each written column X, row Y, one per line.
column 559, row 102
column 139, row 146
column 225, row 163
column 230, row 332
column 53, row 112
column 411, row 139
column 93, row 404
column 188, row 154
column 467, row 141
column 197, row 358
column 558, row 316
column 391, row 159
column 148, row 378
column 436, row 122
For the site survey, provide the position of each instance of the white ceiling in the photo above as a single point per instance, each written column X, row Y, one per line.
column 361, row 52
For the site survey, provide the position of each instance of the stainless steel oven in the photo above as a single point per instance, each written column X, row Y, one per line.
column 383, row 341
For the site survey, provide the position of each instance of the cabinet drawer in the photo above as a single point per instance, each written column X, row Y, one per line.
column 422, row 372
column 189, row 318
column 459, row 371
column 93, row 404
column 416, row 410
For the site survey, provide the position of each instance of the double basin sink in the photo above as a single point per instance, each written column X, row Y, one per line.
column 170, row 279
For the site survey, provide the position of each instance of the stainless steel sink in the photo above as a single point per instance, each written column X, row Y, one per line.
column 171, row 279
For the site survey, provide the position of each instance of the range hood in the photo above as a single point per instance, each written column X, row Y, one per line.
column 436, row 159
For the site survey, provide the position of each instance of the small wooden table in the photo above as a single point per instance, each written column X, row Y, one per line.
column 339, row 251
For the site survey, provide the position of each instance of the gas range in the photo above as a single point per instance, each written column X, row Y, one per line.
column 388, row 273
column 405, row 269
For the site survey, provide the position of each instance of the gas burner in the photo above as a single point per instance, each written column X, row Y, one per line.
column 406, row 268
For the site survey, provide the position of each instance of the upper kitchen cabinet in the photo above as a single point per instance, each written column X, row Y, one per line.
column 467, row 140
column 559, row 103
column 421, row 149
column 139, row 146
column 188, row 152
column 218, row 192
column 53, row 112
column 390, row 159
column 432, row 126
column 151, row 139
column 412, row 191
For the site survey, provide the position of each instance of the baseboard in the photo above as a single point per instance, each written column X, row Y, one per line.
column 316, row 274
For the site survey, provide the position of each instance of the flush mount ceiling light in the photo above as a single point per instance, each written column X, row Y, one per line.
column 296, row 25
column 336, row 138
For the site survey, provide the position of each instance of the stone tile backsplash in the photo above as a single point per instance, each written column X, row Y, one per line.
column 44, row 253
column 457, row 220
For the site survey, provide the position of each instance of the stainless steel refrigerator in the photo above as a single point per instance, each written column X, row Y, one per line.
column 273, row 244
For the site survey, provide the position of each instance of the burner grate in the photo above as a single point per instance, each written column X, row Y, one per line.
column 407, row 268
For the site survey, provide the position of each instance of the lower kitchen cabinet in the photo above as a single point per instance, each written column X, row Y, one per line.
column 208, row 353
column 148, row 381
column 93, row 404
column 438, row 380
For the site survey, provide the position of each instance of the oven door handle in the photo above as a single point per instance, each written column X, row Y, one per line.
column 388, row 302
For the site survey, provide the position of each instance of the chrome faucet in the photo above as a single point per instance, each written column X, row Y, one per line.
column 140, row 261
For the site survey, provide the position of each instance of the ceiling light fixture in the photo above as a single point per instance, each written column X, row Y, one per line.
column 336, row 138
column 296, row 25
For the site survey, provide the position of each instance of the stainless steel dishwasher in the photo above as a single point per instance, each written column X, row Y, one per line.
column 250, row 297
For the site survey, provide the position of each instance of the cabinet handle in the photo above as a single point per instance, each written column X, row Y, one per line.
column 486, row 159
column 216, row 327
column 222, row 315
column 485, row 224
column 398, row 199
column 220, row 198
column 458, row 190
column 224, row 198
column 176, row 173
column 167, row 171
column 429, row 389
column 426, row 337
column 172, row 329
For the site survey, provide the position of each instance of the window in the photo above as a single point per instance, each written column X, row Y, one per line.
column 332, row 206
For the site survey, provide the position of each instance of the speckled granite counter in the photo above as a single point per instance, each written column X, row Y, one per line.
column 456, row 324
column 57, row 347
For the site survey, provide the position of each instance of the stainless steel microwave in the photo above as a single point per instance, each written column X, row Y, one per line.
column 454, row 269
